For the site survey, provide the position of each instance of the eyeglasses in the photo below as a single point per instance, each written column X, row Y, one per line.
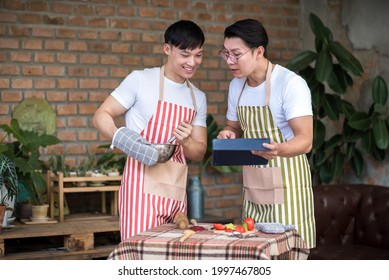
column 234, row 59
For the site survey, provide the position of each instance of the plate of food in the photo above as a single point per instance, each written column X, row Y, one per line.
column 246, row 228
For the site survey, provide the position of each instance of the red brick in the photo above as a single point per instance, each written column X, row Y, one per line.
column 9, row 70
column 9, row 43
column 78, row 96
column 44, row 84
column 68, row 109
column 67, row 83
column 11, row 96
column 52, row 70
column 87, row 109
column 21, row 83
column 87, row 135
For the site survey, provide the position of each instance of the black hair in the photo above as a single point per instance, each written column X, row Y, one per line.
column 184, row 34
column 251, row 31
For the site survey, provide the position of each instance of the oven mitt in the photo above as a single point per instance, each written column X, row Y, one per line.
column 135, row 146
column 273, row 227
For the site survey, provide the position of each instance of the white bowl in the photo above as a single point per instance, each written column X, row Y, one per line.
column 113, row 174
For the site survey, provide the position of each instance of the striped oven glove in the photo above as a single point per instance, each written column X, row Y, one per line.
column 135, row 146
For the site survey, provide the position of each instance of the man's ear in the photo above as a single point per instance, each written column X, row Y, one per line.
column 167, row 48
column 260, row 51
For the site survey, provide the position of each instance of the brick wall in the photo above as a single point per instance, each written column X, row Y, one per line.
column 74, row 53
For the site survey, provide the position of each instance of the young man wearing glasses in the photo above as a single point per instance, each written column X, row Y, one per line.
column 267, row 100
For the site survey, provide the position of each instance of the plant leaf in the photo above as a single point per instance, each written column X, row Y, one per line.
column 337, row 163
column 380, row 91
column 319, row 30
column 325, row 174
column 333, row 142
column 346, row 59
column 350, row 150
column 381, row 134
column 301, row 61
column 319, row 133
column 359, row 121
column 347, row 108
column 378, row 154
column 337, row 81
column 357, row 163
column 323, row 66
column 330, row 106
column 367, row 141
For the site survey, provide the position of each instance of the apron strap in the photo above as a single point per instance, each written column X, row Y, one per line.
column 267, row 84
column 161, row 87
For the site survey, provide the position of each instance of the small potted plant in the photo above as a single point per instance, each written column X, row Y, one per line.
column 24, row 153
column 8, row 188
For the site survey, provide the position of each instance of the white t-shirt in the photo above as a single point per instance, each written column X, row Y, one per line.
column 139, row 93
column 290, row 97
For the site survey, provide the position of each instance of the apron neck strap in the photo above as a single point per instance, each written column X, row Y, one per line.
column 161, row 87
column 267, row 84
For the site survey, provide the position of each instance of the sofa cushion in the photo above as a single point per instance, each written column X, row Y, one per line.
column 372, row 222
column 348, row 252
column 335, row 210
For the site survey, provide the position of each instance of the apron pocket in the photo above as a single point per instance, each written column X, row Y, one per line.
column 166, row 179
column 263, row 185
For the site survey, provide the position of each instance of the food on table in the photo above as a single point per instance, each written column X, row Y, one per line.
column 240, row 229
column 219, row 226
column 187, row 233
column 250, row 223
column 230, row 226
column 246, row 226
column 181, row 220
column 195, row 226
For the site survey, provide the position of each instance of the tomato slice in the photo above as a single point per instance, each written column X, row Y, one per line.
column 240, row 229
column 228, row 230
column 219, row 226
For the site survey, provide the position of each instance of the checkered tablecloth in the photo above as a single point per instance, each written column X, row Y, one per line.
column 162, row 243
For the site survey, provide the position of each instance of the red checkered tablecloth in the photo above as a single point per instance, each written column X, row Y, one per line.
column 162, row 243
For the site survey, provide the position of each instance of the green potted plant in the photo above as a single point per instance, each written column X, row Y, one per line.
column 24, row 152
column 328, row 74
column 8, row 187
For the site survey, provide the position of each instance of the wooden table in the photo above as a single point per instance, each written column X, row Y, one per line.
column 162, row 242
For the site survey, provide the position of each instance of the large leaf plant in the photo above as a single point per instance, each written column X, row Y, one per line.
column 24, row 152
column 328, row 74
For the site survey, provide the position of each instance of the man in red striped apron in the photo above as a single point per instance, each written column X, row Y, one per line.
column 270, row 101
column 158, row 103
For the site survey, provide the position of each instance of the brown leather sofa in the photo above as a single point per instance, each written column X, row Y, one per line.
column 352, row 222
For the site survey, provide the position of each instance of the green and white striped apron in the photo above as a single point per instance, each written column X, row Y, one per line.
column 297, row 202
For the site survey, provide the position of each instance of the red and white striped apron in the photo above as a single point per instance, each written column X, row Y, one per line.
column 140, row 211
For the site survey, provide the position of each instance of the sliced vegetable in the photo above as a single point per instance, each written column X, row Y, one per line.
column 219, row 226
column 240, row 229
column 250, row 223
column 231, row 226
